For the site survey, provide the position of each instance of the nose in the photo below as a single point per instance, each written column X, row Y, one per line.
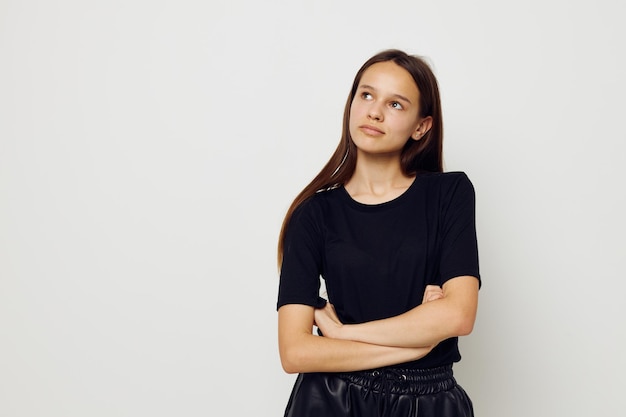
column 375, row 113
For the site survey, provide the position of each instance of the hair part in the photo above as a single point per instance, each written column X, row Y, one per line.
column 424, row 155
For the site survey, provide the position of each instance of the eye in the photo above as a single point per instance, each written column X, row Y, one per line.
column 396, row 105
column 366, row 96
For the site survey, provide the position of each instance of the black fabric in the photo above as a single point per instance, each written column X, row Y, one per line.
column 377, row 259
column 379, row 393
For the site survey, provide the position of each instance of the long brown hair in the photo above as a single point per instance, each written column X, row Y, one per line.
column 424, row 155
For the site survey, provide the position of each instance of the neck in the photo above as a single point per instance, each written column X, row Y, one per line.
column 376, row 180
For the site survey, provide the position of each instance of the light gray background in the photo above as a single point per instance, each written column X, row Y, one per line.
column 149, row 150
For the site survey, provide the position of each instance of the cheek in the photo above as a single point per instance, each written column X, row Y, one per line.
column 408, row 124
column 353, row 117
column 358, row 111
column 353, row 110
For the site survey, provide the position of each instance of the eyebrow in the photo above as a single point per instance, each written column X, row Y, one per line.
column 400, row 96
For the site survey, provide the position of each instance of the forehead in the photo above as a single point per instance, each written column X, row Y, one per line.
column 390, row 78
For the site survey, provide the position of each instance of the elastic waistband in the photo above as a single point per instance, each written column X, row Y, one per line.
column 403, row 381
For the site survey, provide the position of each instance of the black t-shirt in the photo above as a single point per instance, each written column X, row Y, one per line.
column 376, row 260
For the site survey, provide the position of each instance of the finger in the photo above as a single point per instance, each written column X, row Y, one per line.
column 432, row 292
column 434, row 296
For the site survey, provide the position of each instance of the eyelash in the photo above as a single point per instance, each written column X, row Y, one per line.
column 394, row 104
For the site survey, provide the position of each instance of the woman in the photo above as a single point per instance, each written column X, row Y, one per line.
column 394, row 239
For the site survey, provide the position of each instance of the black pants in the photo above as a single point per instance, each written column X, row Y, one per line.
column 386, row 392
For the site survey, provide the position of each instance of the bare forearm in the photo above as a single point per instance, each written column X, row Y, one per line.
column 428, row 324
column 301, row 351
column 310, row 353
column 425, row 325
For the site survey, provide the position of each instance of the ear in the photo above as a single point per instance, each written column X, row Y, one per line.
column 422, row 128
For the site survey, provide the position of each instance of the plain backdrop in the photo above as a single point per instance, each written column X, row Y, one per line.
column 149, row 150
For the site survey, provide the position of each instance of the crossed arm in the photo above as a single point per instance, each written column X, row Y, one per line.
column 445, row 312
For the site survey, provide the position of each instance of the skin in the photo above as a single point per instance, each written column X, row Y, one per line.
column 383, row 116
column 450, row 312
column 385, row 113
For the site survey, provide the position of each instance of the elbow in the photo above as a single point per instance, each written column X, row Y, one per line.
column 291, row 360
column 465, row 327
column 288, row 366
column 290, row 370
column 460, row 322
column 464, row 324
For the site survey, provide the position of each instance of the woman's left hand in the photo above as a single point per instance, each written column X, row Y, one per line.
column 327, row 321
column 432, row 293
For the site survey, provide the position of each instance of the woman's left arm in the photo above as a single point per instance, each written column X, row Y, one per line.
column 451, row 314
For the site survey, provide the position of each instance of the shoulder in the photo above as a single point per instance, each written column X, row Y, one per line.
column 447, row 182
column 318, row 202
column 449, row 178
column 449, row 188
column 313, row 210
column 457, row 181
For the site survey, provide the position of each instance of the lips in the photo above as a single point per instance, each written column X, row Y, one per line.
column 371, row 130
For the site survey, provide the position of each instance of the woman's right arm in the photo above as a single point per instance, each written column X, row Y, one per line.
column 302, row 351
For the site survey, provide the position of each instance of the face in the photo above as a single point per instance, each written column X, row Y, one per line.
column 385, row 110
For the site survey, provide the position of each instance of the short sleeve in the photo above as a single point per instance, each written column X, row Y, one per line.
column 302, row 258
column 458, row 243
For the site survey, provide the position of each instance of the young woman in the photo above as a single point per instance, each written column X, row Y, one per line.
column 394, row 239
